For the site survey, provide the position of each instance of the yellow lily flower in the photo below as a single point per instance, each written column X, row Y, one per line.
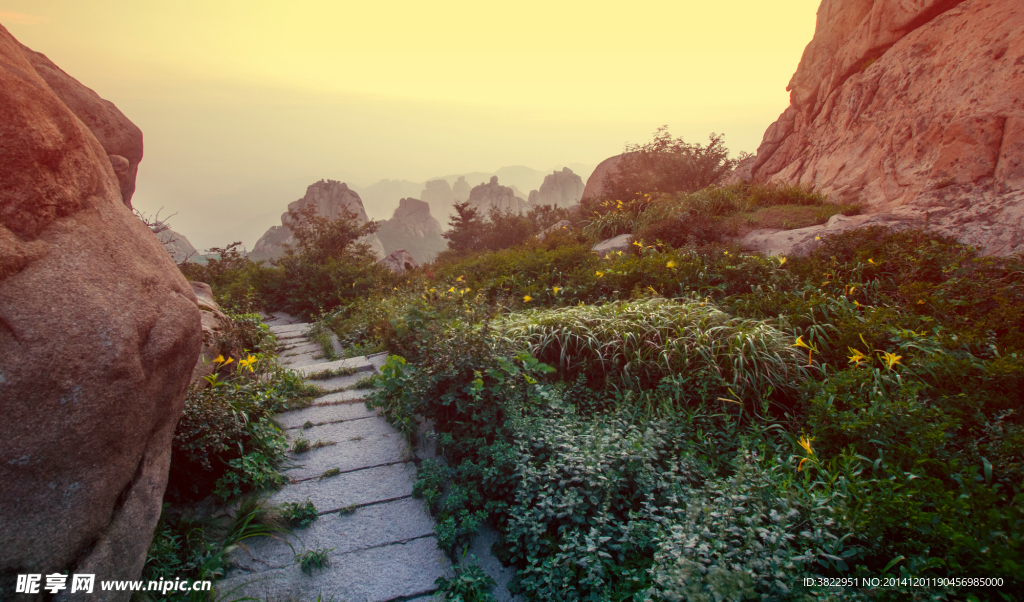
column 451, row 290
column 599, row 273
column 857, row 356
column 782, row 261
column 527, row 298
column 670, row 264
column 555, row 289
column 805, row 443
column 459, row 279
column 890, row 359
column 220, row 359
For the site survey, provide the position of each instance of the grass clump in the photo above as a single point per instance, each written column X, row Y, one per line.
column 331, row 472
column 332, row 373
column 638, row 343
column 311, row 560
column 299, row 515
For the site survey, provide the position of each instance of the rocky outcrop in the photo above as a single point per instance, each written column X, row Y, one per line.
column 460, row 190
column 121, row 139
column 617, row 244
column 331, row 200
column 560, row 189
column 595, row 183
column 99, row 333
column 438, row 194
column 912, row 109
column 400, row 261
column 216, row 331
column 741, row 172
column 802, row 241
column 562, row 225
column 177, row 246
column 493, row 195
column 414, row 230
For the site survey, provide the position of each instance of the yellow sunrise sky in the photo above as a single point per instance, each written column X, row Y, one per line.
column 243, row 104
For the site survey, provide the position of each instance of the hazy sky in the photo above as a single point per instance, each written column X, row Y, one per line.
column 242, row 104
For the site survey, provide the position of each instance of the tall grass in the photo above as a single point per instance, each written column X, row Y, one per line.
column 637, row 343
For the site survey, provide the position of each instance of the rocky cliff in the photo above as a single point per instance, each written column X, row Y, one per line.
column 595, row 183
column 493, row 195
column 915, row 110
column 99, row 333
column 461, row 190
column 439, row 195
column 560, row 189
column 177, row 246
column 413, row 228
column 331, row 199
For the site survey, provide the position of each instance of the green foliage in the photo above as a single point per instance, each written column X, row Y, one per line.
column 299, row 515
column 226, row 441
column 667, row 164
column 190, row 547
column 473, row 232
column 469, row 584
column 314, row 559
column 637, row 343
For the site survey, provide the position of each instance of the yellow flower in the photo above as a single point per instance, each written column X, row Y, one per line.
column 599, row 273
column 670, row 264
column 920, row 301
column 817, row 238
column 857, row 303
column 890, row 359
column 527, row 298
column 451, row 290
column 467, row 290
column 219, row 360
column 637, row 243
column 432, row 290
column 801, row 465
column 555, row 289
column 651, row 288
column 459, row 279
column 424, row 296
column 805, row 443
column 857, row 356
column 800, row 343
column 782, row 261
column 619, row 253
column 871, row 261
column 247, row 362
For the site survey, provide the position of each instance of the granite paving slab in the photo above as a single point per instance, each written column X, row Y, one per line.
column 359, row 487
column 358, row 444
column 324, row 413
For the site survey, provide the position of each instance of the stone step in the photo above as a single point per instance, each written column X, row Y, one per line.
column 301, row 327
column 393, row 572
column 358, row 444
column 340, row 383
column 347, row 396
column 371, row 526
column 356, row 488
column 325, row 413
column 359, row 364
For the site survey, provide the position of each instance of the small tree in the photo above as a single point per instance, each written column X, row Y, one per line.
column 667, row 165
column 319, row 238
column 467, row 229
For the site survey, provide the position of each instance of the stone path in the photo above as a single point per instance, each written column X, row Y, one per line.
column 381, row 540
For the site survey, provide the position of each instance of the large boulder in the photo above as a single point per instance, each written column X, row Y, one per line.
column 216, row 333
column 121, row 139
column 99, row 333
column 912, row 109
column 595, row 188
column 413, row 229
column 560, row 189
column 400, row 261
column 617, row 244
column 331, row 199
column 492, row 195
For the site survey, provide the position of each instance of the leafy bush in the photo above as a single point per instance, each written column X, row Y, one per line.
column 469, row 584
column 226, row 441
column 667, row 164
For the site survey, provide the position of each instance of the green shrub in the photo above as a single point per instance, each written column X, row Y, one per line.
column 469, row 584
column 299, row 515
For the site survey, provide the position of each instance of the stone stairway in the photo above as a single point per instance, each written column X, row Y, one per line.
column 381, row 540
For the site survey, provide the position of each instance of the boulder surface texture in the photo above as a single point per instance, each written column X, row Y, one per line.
column 914, row 109
column 99, row 333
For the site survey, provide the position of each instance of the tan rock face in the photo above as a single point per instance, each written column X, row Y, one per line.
column 413, row 229
column 560, row 189
column 493, row 195
column 216, row 328
column 121, row 139
column 595, row 183
column 98, row 336
column 331, row 198
column 400, row 261
column 915, row 109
